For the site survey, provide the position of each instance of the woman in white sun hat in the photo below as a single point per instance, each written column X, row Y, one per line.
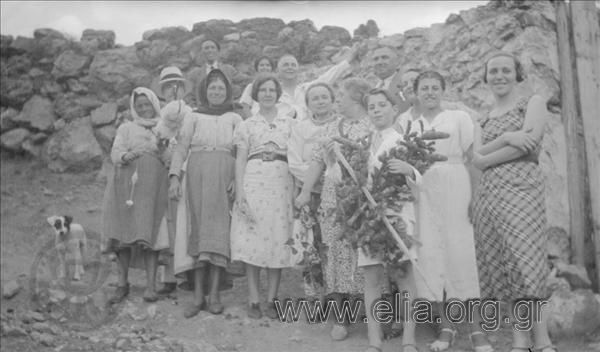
column 172, row 87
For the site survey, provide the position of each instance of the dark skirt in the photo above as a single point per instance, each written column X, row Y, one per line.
column 209, row 174
column 127, row 225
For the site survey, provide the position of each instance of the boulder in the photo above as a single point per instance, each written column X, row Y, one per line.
column 7, row 118
column 13, row 139
column 232, row 37
column 42, row 33
column 573, row 313
column 273, row 51
column 5, row 42
column 37, row 113
column 334, row 35
column 51, row 89
column 10, row 289
column 15, row 92
column 71, row 106
column 17, row 65
column 264, row 27
column 76, row 86
column 576, row 275
column 174, row 35
column 94, row 40
column 74, row 148
column 214, row 28
column 104, row 115
column 116, row 72
column 70, row 64
column 22, row 45
column 38, row 78
column 154, row 53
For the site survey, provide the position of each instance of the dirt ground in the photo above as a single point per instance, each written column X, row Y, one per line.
column 30, row 193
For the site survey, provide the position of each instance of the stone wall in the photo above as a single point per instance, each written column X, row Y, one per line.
column 62, row 100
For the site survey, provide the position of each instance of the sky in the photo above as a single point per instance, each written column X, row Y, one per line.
column 130, row 19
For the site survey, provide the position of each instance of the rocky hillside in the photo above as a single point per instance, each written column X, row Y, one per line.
column 62, row 100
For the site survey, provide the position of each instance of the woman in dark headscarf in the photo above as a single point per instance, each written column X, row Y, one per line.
column 203, row 223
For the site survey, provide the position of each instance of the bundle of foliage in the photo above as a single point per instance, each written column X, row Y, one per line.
column 362, row 221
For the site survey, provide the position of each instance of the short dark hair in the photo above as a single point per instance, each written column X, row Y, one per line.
column 518, row 66
column 378, row 91
column 262, row 79
column 264, row 57
column 320, row 84
column 211, row 40
column 429, row 74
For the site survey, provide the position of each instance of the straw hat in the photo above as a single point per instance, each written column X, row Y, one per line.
column 172, row 74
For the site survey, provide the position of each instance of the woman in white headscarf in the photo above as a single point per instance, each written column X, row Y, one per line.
column 136, row 196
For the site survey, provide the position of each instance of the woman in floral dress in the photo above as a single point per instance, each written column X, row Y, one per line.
column 262, row 217
column 341, row 275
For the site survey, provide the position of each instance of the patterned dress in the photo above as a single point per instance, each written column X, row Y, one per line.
column 339, row 262
column 260, row 238
column 510, row 219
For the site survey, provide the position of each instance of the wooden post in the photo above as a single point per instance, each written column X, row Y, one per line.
column 575, row 149
column 586, row 37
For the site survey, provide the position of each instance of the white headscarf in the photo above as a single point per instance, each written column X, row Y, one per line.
column 153, row 100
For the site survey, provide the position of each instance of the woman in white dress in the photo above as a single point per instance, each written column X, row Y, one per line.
column 262, row 216
column 447, row 254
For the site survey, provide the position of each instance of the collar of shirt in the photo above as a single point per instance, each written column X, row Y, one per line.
column 210, row 67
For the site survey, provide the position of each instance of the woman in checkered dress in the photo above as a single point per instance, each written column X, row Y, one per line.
column 509, row 214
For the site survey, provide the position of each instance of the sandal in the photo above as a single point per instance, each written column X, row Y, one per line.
column 254, row 311
column 271, row 311
column 150, row 296
column 481, row 348
column 544, row 348
column 193, row 310
column 441, row 345
column 168, row 288
column 338, row 332
column 410, row 345
column 120, row 293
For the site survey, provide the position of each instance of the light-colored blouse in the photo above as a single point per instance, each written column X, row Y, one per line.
column 257, row 135
column 131, row 137
column 204, row 132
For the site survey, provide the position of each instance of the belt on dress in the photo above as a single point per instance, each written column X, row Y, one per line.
column 268, row 156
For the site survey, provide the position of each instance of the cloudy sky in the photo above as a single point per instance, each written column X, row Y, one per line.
column 129, row 19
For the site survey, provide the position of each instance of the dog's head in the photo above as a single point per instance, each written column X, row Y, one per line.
column 60, row 223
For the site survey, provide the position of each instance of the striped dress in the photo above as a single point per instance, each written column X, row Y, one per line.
column 509, row 218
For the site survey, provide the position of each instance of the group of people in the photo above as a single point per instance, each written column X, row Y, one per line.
column 215, row 184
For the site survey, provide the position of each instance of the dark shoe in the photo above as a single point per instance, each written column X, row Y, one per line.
column 193, row 310
column 186, row 286
column 271, row 311
column 150, row 296
column 168, row 287
column 120, row 293
column 254, row 311
column 216, row 308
